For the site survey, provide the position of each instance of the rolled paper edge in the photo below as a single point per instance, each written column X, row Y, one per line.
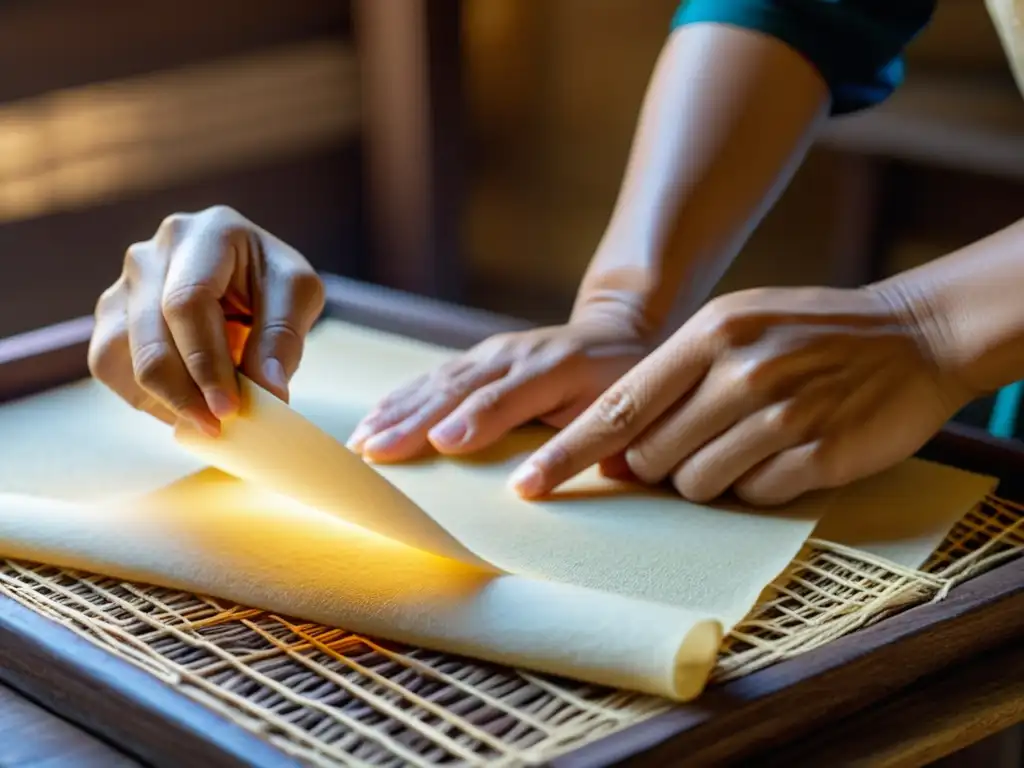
column 673, row 663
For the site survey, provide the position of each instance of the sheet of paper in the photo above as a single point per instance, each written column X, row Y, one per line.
column 594, row 533
column 589, row 565
column 80, row 442
column 904, row 514
column 212, row 534
column 1008, row 19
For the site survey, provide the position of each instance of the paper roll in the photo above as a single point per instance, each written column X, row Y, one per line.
column 213, row 534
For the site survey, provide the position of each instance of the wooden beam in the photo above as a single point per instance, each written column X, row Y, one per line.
column 410, row 58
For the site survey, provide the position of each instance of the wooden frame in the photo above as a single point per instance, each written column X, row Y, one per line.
column 930, row 659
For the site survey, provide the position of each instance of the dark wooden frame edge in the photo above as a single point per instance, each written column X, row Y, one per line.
column 731, row 721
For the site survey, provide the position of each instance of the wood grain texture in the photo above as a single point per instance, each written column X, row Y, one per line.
column 31, row 737
column 777, row 706
column 944, row 714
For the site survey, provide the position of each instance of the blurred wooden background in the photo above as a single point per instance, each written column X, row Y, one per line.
column 466, row 149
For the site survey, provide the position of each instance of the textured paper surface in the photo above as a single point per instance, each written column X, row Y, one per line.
column 212, row 534
column 593, row 533
column 613, row 585
column 904, row 514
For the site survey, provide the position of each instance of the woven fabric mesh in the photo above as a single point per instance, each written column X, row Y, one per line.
column 328, row 697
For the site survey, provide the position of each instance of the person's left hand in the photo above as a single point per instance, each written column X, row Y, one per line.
column 770, row 393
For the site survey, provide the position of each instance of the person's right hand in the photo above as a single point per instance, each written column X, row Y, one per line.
column 209, row 292
column 548, row 374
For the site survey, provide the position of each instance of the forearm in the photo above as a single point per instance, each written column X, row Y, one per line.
column 727, row 118
column 971, row 307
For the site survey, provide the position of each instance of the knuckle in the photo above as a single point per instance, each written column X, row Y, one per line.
column 185, row 300
column 151, row 365
column 134, row 261
column 449, row 387
column 494, row 347
column 203, row 366
column 783, row 417
column 221, row 213
column 101, row 358
column 109, row 300
column 307, row 288
column 485, row 401
column 173, row 227
column 750, row 377
column 278, row 331
column 617, row 409
column 726, row 327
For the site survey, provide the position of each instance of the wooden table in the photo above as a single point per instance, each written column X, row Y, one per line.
column 909, row 690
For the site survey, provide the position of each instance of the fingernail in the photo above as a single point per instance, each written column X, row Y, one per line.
column 527, row 480
column 203, row 421
column 380, row 443
column 274, row 374
column 449, row 433
column 221, row 404
column 357, row 438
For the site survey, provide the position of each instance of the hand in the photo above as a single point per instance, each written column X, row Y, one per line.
column 771, row 393
column 209, row 292
column 550, row 374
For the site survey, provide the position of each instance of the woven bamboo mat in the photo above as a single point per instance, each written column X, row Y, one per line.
column 329, row 698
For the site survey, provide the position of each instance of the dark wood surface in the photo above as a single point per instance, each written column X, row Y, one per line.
column 812, row 695
column 953, row 710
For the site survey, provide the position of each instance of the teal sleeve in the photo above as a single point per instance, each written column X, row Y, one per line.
column 856, row 45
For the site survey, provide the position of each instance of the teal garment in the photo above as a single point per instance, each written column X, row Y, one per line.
column 856, row 45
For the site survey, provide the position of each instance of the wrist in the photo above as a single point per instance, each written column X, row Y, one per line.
column 970, row 331
column 619, row 311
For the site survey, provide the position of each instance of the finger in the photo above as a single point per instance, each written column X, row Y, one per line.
column 386, row 415
column 786, row 475
column 732, row 391
column 409, row 438
column 198, row 276
column 840, row 454
column 110, row 356
column 710, row 472
column 686, row 427
column 492, row 411
column 290, row 301
column 157, row 367
column 613, row 421
column 401, row 403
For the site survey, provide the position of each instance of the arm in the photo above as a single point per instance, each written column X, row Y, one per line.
column 731, row 110
column 728, row 117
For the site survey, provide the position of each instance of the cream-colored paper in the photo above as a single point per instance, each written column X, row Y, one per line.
column 595, row 533
column 1008, row 18
column 904, row 514
column 628, row 585
column 277, row 448
column 213, row 534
